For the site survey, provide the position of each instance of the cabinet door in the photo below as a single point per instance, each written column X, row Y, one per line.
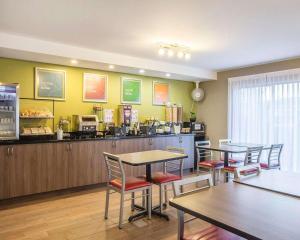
column 56, row 156
column 27, row 170
column 83, row 164
column 4, row 173
column 103, row 146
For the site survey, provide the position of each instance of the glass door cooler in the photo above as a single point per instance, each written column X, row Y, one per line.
column 9, row 111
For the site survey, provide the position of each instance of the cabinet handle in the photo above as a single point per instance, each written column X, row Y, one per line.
column 70, row 146
column 8, row 148
column 150, row 141
column 180, row 139
column 12, row 151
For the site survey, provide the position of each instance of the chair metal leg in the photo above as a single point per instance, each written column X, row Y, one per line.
column 132, row 201
column 166, row 195
column 106, row 204
column 214, row 176
column 160, row 197
column 149, row 202
column 225, row 177
column 144, row 199
column 180, row 224
column 121, row 210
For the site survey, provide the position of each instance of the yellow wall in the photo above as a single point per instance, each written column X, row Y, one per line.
column 18, row 71
column 213, row 110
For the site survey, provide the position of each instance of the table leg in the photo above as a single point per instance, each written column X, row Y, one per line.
column 226, row 164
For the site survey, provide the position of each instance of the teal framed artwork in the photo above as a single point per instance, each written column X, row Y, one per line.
column 131, row 90
column 50, row 84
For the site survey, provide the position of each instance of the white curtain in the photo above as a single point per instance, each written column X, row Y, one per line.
column 265, row 109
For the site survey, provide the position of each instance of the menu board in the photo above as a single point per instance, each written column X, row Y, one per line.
column 131, row 91
column 160, row 93
column 94, row 87
column 50, row 84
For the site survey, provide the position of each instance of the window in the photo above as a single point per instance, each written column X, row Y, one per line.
column 265, row 109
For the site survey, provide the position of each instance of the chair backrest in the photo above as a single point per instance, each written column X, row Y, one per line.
column 174, row 165
column 178, row 185
column 253, row 155
column 247, row 171
column 115, row 169
column 205, row 181
column 224, row 141
column 203, row 154
column 274, row 155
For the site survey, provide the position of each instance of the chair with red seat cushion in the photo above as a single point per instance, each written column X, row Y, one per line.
column 273, row 157
column 204, row 160
column 247, row 171
column 252, row 156
column 118, row 182
column 172, row 171
column 201, row 182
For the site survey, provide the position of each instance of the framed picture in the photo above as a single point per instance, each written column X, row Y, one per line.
column 50, row 84
column 160, row 93
column 94, row 87
column 131, row 90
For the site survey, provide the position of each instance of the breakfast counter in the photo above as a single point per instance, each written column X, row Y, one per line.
column 30, row 167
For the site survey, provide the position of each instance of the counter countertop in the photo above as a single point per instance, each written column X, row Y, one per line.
column 15, row 142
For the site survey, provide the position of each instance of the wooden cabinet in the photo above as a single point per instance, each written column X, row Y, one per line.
column 24, row 171
column 33, row 168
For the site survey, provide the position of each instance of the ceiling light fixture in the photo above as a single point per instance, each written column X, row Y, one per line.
column 74, row 61
column 168, row 75
column 111, row 66
column 142, row 71
column 174, row 49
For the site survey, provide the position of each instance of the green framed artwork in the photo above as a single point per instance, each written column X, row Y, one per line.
column 131, row 90
column 50, row 84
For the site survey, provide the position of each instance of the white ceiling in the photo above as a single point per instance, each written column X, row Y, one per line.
column 222, row 34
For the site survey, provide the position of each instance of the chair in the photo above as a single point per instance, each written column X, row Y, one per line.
column 118, row 182
column 231, row 160
column 273, row 157
column 207, row 163
column 252, row 156
column 247, row 171
column 211, row 232
column 168, row 176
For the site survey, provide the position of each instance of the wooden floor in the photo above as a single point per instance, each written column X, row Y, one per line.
column 79, row 215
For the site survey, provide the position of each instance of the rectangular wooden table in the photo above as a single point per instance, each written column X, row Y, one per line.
column 276, row 181
column 147, row 158
column 249, row 212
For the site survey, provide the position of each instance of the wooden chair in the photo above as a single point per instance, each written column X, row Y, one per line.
column 213, row 166
column 172, row 171
column 212, row 232
column 252, row 156
column 119, row 182
column 231, row 160
column 273, row 157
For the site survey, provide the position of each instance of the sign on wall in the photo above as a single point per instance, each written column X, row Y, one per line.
column 131, row 90
column 50, row 84
column 95, row 87
column 160, row 93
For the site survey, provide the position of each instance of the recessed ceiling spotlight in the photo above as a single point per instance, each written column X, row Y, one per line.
column 141, row 71
column 111, row 66
column 168, row 75
column 74, row 61
column 187, row 56
column 180, row 54
column 170, row 53
column 161, row 51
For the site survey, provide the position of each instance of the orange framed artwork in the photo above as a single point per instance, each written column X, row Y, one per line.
column 94, row 87
column 160, row 93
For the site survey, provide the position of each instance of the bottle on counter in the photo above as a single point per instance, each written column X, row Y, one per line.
column 59, row 133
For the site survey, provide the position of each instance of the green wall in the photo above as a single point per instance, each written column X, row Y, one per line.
column 22, row 72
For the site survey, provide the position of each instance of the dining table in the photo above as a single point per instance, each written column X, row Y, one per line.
column 251, row 212
column 148, row 158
